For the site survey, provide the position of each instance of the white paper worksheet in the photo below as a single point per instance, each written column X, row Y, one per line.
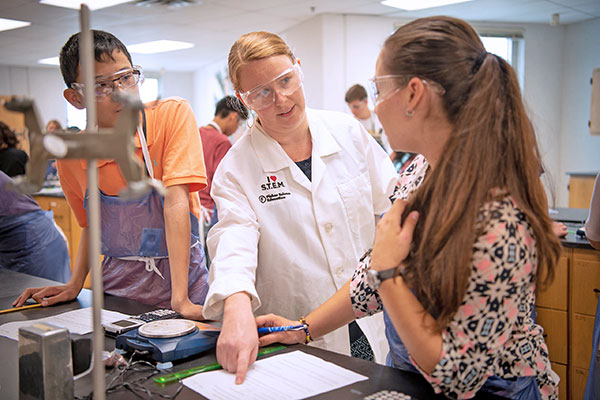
column 76, row 321
column 289, row 376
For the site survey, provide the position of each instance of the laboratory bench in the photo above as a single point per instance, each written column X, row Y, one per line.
column 567, row 308
column 13, row 283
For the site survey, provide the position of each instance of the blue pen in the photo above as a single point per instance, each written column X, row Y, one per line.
column 271, row 329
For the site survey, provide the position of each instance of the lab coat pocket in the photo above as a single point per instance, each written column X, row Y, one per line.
column 358, row 202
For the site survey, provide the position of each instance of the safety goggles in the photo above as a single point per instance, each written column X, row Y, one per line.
column 105, row 85
column 284, row 84
column 383, row 87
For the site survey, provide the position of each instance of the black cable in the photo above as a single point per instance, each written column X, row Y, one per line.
column 135, row 386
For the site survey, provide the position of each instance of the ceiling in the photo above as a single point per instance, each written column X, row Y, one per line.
column 213, row 25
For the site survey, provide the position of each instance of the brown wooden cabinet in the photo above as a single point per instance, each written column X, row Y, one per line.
column 581, row 187
column 566, row 310
column 552, row 314
column 65, row 219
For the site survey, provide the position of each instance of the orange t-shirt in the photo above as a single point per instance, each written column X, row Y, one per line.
column 175, row 150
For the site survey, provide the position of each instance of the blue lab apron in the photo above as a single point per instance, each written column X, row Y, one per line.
column 523, row 388
column 30, row 243
column 136, row 263
column 592, row 388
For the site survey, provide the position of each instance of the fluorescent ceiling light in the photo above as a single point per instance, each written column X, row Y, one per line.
column 49, row 61
column 419, row 4
column 158, row 46
column 75, row 4
column 8, row 24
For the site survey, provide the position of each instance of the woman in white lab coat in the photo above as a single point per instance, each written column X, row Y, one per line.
column 297, row 199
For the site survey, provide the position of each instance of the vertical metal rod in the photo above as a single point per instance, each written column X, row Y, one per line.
column 86, row 58
column 97, row 289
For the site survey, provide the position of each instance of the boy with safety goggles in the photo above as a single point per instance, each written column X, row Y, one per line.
column 170, row 271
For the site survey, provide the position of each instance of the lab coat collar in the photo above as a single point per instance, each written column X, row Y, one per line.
column 272, row 156
column 215, row 125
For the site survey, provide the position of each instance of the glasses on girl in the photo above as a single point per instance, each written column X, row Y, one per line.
column 383, row 87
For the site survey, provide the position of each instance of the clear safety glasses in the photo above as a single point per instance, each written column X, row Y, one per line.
column 383, row 87
column 125, row 79
column 284, row 84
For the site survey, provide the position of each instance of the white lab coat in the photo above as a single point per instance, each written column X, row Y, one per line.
column 291, row 243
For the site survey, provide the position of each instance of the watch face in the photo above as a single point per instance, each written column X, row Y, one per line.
column 373, row 279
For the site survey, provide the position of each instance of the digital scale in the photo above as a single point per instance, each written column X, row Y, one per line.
column 170, row 340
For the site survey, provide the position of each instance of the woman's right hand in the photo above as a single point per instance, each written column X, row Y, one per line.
column 393, row 237
column 287, row 337
column 237, row 345
column 48, row 295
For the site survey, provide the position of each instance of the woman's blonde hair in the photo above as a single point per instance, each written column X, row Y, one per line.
column 254, row 46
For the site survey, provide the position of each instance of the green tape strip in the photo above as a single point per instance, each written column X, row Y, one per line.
column 176, row 376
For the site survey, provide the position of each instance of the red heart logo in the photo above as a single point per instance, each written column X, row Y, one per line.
column 273, row 178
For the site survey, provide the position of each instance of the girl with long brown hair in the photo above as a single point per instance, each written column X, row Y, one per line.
column 469, row 236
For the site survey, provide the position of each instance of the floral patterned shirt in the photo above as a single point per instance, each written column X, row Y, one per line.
column 492, row 332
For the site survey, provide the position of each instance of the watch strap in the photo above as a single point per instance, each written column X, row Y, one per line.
column 386, row 274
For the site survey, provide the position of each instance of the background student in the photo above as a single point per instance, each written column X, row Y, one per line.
column 230, row 113
column 167, row 273
column 12, row 159
column 358, row 103
column 29, row 240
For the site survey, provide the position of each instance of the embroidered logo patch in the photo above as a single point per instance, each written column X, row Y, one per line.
column 272, row 183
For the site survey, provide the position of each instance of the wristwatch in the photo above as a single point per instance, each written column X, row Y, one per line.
column 374, row 278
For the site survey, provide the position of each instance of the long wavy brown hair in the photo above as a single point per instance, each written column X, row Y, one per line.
column 492, row 146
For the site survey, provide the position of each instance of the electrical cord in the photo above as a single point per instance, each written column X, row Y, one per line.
column 135, row 386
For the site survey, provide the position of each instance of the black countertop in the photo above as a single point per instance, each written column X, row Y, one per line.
column 13, row 283
column 592, row 174
column 573, row 218
column 50, row 192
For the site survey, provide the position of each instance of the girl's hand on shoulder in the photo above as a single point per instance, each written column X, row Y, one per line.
column 393, row 237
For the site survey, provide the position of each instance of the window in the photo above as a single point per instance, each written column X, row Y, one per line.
column 75, row 117
column 148, row 92
column 509, row 46
column 501, row 46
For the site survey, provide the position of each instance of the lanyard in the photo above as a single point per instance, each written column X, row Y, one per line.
column 141, row 132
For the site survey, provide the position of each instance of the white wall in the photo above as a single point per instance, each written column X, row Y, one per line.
column 542, row 92
column 306, row 41
column 45, row 85
column 177, row 84
column 580, row 151
column 208, row 90
column 337, row 51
